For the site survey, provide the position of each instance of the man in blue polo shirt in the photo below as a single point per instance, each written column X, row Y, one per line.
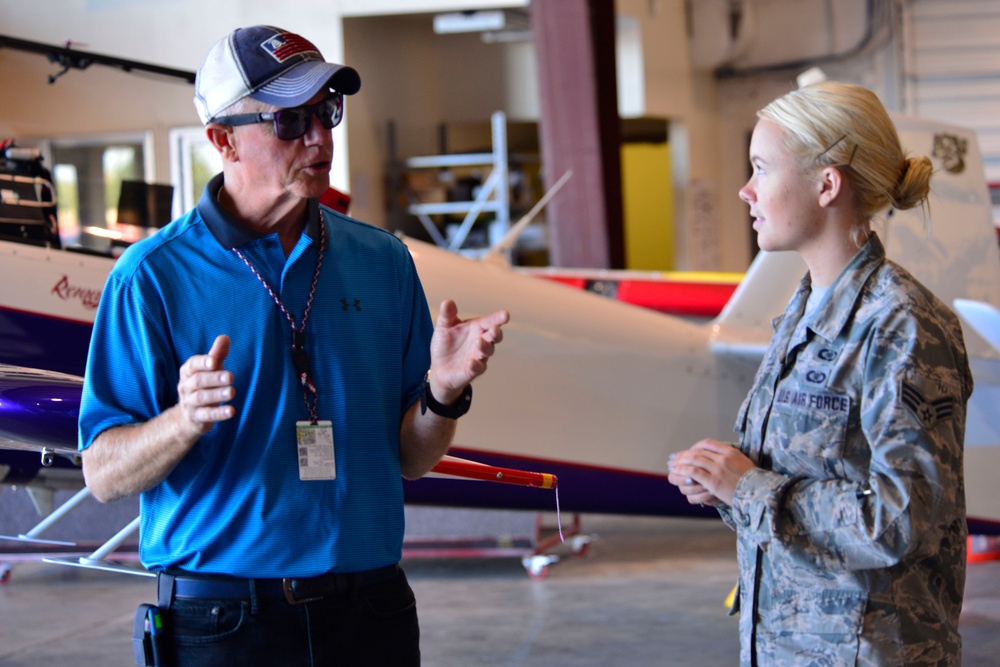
column 263, row 371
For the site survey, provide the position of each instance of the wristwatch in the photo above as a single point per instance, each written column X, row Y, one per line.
column 460, row 407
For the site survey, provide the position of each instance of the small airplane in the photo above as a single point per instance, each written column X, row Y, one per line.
column 595, row 391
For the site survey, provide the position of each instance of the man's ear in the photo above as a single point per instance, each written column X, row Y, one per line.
column 831, row 186
column 224, row 140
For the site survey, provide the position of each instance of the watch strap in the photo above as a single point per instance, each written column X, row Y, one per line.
column 460, row 407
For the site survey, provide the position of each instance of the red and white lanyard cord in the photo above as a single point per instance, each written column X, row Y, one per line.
column 299, row 356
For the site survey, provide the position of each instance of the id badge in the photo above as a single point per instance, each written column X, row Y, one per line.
column 316, row 456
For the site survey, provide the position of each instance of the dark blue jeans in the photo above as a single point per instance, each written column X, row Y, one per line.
column 374, row 626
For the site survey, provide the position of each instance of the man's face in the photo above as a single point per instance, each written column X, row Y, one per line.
column 279, row 169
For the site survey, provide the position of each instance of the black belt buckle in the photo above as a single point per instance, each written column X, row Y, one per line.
column 288, row 586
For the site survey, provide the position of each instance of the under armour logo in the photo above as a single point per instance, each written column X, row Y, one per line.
column 347, row 304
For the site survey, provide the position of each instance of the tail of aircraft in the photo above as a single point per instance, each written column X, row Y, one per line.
column 958, row 259
column 955, row 254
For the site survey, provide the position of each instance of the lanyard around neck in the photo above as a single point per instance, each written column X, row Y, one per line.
column 299, row 356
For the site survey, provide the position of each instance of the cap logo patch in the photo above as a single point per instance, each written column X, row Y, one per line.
column 286, row 45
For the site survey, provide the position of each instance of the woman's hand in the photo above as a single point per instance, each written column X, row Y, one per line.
column 708, row 472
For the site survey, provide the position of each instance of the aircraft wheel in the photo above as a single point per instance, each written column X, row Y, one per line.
column 537, row 566
column 580, row 544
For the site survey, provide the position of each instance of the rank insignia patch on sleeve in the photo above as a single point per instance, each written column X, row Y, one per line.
column 929, row 412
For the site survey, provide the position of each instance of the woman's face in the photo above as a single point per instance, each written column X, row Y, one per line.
column 783, row 197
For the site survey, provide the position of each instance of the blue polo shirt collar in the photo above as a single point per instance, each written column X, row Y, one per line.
column 230, row 232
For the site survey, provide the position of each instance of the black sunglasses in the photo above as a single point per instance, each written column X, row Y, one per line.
column 292, row 123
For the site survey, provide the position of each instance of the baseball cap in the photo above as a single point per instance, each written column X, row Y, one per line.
column 270, row 65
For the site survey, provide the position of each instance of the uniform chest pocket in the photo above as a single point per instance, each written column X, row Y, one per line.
column 807, row 432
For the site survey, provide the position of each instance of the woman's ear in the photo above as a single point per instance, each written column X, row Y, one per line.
column 224, row 140
column 831, row 186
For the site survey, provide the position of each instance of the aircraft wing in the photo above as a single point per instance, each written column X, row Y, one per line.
column 39, row 409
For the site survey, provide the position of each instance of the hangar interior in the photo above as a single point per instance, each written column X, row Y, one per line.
column 689, row 76
column 696, row 70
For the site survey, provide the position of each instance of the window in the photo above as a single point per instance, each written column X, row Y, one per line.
column 68, row 198
column 193, row 162
column 88, row 172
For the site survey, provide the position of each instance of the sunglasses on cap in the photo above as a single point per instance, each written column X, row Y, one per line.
column 294, row 122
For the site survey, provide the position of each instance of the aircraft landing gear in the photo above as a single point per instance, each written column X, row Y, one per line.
column 537, row 566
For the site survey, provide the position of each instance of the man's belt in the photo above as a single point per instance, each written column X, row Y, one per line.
column 292, row 590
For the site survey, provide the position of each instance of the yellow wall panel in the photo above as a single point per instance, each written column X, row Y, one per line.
column 648, row 200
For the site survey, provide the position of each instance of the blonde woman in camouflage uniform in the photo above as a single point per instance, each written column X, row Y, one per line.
column 846, row 488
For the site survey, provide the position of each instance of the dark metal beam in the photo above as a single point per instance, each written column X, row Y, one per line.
column 73, row 59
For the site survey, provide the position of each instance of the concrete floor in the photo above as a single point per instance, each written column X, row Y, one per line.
column 647, row 592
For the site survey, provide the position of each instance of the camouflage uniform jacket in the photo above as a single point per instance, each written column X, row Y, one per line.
column 851, row 530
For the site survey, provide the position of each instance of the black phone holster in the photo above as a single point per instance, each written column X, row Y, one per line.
column 147, row 636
